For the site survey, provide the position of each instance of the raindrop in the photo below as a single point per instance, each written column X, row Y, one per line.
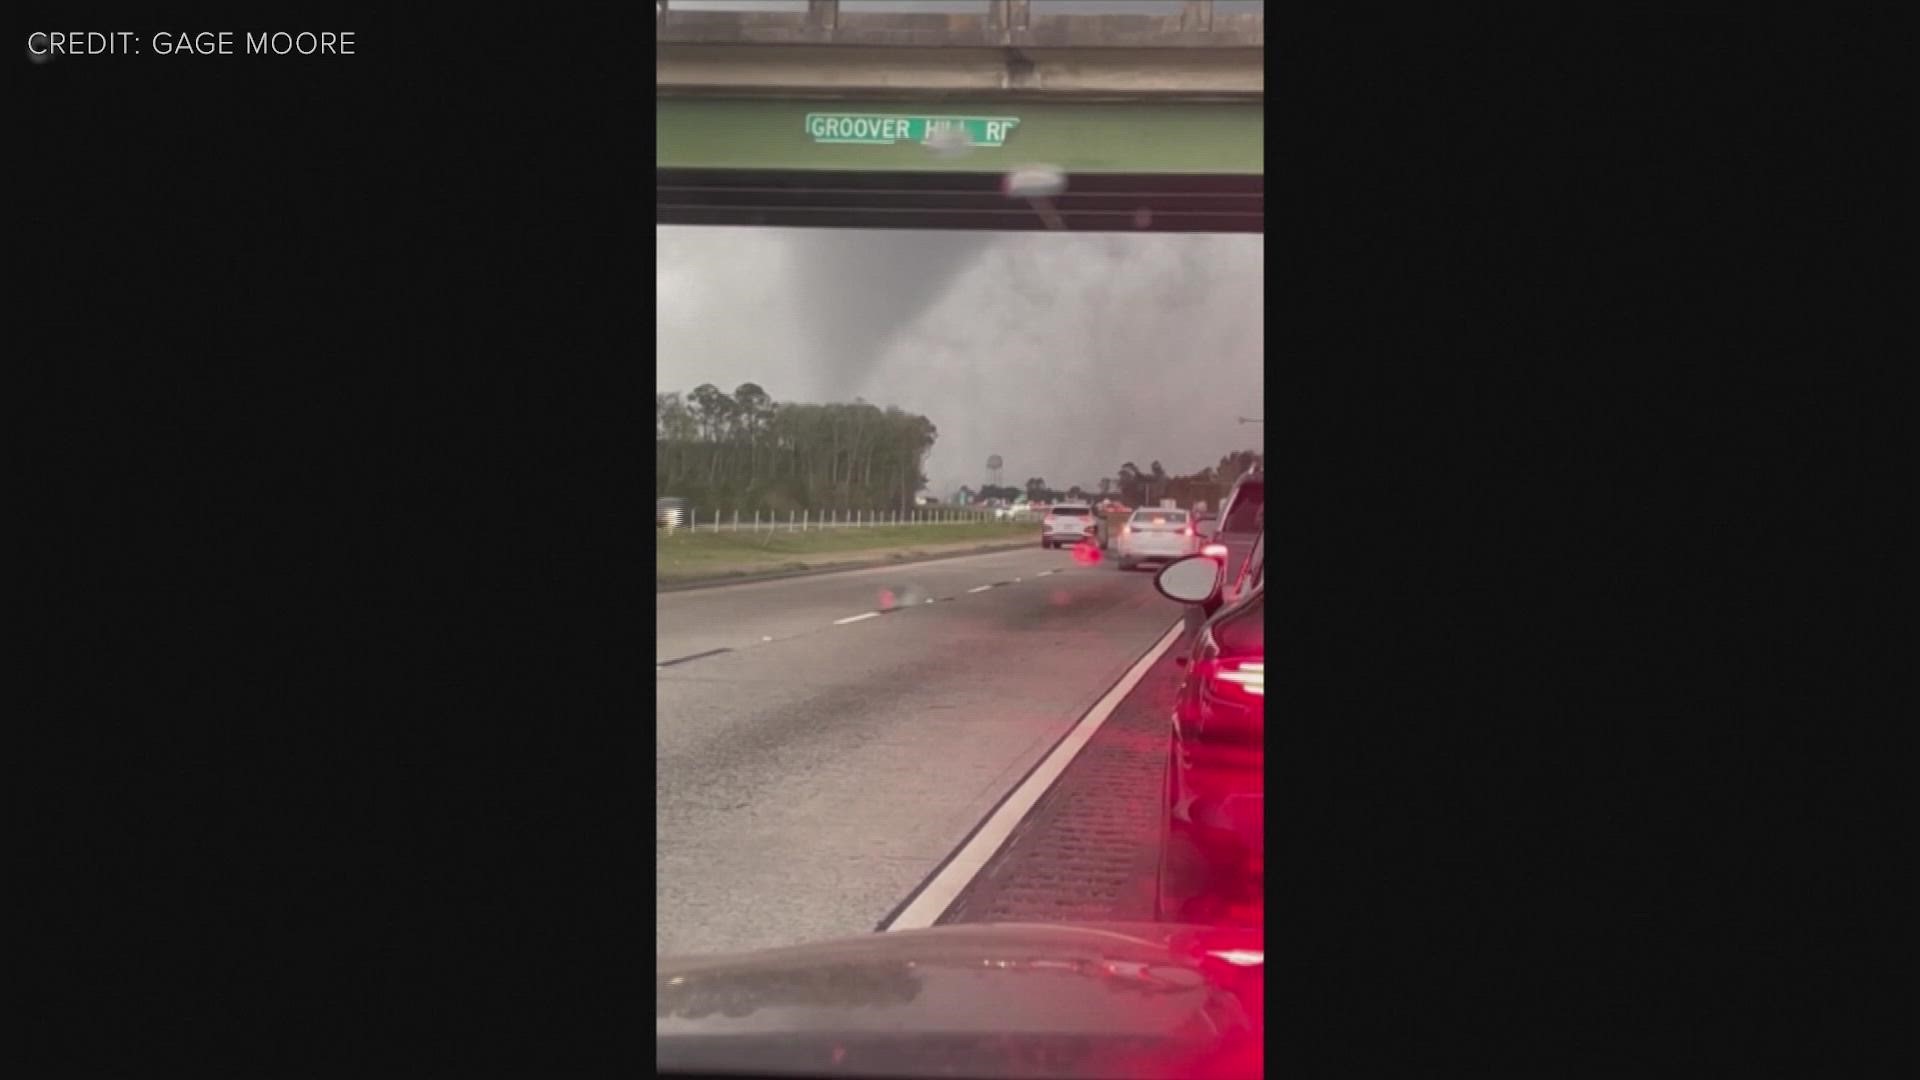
column 949, row 142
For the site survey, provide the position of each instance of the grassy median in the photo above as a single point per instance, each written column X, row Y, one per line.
column 698, row 556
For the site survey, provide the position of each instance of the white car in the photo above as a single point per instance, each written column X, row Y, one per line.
column 1067, row 524
column 1157, row 536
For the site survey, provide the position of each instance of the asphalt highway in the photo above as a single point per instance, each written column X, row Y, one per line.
column 825, row 742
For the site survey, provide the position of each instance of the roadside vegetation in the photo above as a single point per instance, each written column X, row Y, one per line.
column 682, row 556
column 743, row 452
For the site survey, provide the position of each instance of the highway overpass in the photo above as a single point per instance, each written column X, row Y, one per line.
column 894, row 115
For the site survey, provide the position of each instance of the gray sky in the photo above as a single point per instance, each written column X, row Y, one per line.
column 1064, row 354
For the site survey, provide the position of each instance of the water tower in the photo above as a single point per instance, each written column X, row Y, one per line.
column 993, row 470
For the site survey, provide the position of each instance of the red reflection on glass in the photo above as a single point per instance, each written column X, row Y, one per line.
column 886, row 598
column 1086, row 554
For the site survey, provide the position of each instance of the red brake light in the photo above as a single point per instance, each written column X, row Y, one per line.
column 1249, row 674
column 1188, row 531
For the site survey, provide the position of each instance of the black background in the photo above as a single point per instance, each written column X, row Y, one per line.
column 333, row 454
column 328, row 431
column 1583, row 363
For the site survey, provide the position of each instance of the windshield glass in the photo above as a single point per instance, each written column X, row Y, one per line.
column 839, row 425
column 1255, row 571
column 1245, row 515
column 913, row 671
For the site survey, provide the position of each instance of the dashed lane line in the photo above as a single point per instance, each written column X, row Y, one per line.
column 864, row 615
column 661, row 665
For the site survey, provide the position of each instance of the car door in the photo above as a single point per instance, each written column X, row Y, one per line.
column 1253, row 572
column 1242, row 521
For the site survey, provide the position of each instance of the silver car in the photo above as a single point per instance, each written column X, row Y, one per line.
column 1066, row 525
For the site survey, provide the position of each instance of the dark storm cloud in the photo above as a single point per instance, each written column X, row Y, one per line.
column 859, row 297
column 1065, row 354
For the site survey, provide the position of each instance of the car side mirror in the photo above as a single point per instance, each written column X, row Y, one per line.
column 1195, row 579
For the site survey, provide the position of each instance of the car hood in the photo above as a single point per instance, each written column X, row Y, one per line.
column 1108, row 1000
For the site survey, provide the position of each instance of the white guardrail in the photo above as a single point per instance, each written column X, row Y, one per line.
column 694, row 520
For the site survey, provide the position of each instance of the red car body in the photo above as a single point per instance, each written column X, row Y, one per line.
column 1213, row 849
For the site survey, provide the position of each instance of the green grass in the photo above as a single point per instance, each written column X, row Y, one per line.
column 697, row 556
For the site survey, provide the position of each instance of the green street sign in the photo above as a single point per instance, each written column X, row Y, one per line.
column 870, row 129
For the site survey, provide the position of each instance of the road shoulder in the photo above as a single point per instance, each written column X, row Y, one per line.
column 833, row 564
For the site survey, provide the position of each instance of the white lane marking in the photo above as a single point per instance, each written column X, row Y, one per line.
column 980, row 588
column 1043, row 573
column 856, row 618
column 945, row 886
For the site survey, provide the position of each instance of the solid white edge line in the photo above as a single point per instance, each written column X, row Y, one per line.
column 979, row 588
column 856, row 618
column 953, row 878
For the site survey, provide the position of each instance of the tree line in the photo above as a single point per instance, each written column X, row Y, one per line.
column 1142, row 487
column 745, row 451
